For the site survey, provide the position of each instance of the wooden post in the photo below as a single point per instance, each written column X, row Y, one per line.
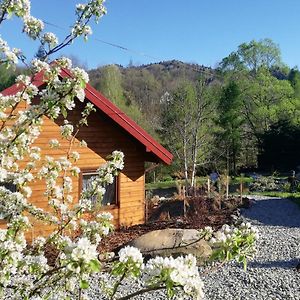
column 227, row 187
column 146, row 210
column 184, row 200
column 208, row 187
column 241, row 190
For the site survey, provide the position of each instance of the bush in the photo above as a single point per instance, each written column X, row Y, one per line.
column 267, row 184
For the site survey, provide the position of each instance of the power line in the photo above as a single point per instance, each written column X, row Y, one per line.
column 108, row 43
column 126, row 49
column 54, row 25
column 123, row 48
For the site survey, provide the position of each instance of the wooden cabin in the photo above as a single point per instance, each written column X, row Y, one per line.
column 108, row 129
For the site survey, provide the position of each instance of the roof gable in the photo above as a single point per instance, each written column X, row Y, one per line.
column 112, row 112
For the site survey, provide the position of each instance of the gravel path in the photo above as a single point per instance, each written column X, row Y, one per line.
column 272, row 274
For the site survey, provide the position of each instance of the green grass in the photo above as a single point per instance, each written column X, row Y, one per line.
column 171, row 183
column 279, row 194
column 200, row 181
column 294, row 196
column 239, row 179
column 160, row 185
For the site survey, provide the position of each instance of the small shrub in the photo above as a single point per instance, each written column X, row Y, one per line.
column 267, row 184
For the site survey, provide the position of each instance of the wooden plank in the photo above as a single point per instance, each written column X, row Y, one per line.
column 102, row 138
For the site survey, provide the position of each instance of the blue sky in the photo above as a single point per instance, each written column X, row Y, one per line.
column 194, row 31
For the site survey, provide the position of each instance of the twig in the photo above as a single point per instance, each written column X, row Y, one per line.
column 145, row 290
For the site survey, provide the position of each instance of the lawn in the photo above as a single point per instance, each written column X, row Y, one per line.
column 294, row 196
column 200, row 181
column 160, row 185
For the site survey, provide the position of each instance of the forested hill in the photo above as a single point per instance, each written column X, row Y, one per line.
column 174, row 69
column 225, row 118
column 139, row 90
column 243, row 114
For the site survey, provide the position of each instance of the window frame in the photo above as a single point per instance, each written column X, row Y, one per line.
column 13, row 188
column 90, row 171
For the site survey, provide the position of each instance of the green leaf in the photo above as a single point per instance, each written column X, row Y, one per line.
column 83, row 84
column 84, row 284
column 95, row 265
column 64, row 112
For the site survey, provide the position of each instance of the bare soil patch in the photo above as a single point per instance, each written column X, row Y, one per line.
column 200, row 211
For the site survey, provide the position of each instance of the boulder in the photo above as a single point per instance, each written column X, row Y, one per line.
column 173, row 241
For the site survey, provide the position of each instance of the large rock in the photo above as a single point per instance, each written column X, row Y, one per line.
column 173, row 242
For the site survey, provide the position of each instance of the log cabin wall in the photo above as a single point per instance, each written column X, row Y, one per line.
column 102, row 136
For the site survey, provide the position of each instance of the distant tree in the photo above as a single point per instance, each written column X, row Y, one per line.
column 266, row 100
column 267, row 97
column 130, row 64
column 279, row 148
column 253, row 55
column 145, row 90
column 294, row 79
column 230, row 121
column 185, row 126
column 7, row 77
column 110, row 82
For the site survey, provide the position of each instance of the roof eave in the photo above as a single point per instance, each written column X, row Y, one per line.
column 112, row 111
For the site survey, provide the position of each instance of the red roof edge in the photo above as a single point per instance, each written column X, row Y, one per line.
column 113, row 112
column 37, row 80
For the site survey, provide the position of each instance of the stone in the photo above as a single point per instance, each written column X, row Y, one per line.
column 174, row 242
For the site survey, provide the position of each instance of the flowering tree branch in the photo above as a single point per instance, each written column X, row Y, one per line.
column 25, row 272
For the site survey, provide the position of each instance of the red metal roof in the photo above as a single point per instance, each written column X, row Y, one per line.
column 114, row 113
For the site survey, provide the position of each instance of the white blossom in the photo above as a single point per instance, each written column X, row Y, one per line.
column 130, row 253
column 38, row 65
column 183, row 271
column 75, row 155
column 105, row 216
column 19, row 7
column 54, row 143
column 66, row 130
column 75, row 171
column 84, row 251
column 33, row 26
column 64, row 62
column 50, row 38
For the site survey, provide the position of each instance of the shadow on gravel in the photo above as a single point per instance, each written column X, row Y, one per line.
column 274, row 212
column 283, row 264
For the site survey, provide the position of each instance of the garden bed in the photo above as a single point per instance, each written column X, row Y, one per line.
column 200, row 212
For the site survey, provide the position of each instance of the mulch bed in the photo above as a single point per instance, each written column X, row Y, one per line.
column 200, row 212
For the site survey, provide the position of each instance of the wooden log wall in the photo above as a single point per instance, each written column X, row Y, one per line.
column 102, row 136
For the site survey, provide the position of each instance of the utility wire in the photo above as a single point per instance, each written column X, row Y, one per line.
column 108, row 43
column 123, row 48
column 126, row 49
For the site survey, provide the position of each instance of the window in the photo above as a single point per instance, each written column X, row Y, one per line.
column 110, row 196
column 12, row 187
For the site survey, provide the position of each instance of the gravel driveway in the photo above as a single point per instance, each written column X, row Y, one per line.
column 272, row 274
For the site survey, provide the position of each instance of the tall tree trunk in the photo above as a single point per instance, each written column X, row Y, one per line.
column 195, row 153
column 186, row 176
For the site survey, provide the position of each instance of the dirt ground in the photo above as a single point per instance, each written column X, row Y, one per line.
column 200, row 212
column 195, row 212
